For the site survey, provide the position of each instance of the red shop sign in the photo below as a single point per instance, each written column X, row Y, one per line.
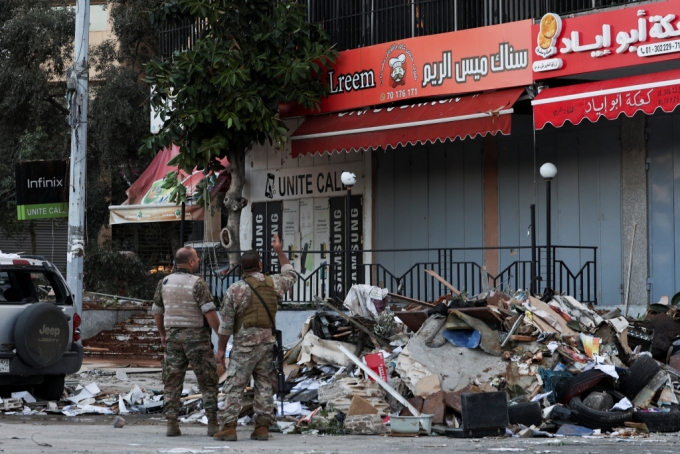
column 635, row 35
column 438, row 65
column 608, row 99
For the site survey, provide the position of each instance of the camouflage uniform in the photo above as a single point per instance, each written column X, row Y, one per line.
column 253, row 350
column 188, row 344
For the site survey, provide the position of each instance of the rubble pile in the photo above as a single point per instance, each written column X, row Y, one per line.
column 495, row 364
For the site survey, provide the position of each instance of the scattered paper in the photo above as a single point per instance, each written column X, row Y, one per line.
column 121, row 375
column 90, row 390
column 122, row 409
column 135, row 396
column 73, row 410
column 289, row 408
column 552, row 346
column 624, row 404
column 23, row 395
column 540, row 397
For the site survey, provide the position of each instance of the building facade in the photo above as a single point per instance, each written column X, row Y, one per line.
column 446, row 111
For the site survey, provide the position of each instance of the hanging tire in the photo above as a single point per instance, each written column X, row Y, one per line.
column 577, row 385
column 659, row 421
column 528, row 413
column 52, row 388
column 639, row 374
column 41, row 335
column 594, row 419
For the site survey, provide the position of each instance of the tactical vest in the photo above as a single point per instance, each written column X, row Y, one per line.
column 181, row 308
column 255, row 315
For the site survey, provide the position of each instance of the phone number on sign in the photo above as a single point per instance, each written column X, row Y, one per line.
column 650, row 50
column 399, row 94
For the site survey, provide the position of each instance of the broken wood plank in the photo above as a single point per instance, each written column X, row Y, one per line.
column 520, row 338
column 443, row 281
column 406, row 300
column 373, row 337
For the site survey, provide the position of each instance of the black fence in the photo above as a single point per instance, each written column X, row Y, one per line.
column 359, row 23
column 574, row 269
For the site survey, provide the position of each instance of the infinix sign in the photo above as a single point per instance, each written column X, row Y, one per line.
column 41, row 189
column 44, row 183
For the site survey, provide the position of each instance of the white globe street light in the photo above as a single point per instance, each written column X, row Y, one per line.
column 548, row 171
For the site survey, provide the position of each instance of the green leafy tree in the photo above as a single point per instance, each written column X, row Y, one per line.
column 36, row 39
column 220, row 97
column 118, row 118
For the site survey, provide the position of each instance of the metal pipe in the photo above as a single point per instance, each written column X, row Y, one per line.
column 548, row 251
column 534, row 284
column 181, row 226
column 348, row 240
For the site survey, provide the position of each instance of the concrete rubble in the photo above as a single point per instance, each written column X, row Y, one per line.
column 495, row 364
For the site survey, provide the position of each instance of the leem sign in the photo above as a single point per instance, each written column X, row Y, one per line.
column 444, row 64
column 41, row 189
column 629, row 36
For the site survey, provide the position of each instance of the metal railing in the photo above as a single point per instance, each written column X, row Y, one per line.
column 359, row 23
column 574, row 270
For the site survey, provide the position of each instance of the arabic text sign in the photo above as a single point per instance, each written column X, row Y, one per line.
column 445, row 64
column 594, row 106
column 624, row 37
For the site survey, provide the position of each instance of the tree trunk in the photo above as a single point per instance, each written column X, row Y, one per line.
column 234, row 203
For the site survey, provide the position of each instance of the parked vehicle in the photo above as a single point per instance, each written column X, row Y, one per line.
column 39, row 328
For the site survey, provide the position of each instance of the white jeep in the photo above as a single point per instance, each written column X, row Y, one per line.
column 39, row 328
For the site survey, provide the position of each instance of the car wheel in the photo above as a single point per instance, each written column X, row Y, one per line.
column 663, row 421
column 567, row 390
column 52, row 388
column 594, row 419
column 639, row 374
column 41, row 335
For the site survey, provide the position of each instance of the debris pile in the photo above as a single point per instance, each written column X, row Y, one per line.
column 494, row 364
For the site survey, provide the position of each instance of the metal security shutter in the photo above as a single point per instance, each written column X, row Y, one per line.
column 51, row 241
column 429, row 197
column 664, row 204
column 586, row 196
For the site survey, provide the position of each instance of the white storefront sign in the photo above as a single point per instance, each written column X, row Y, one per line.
column 300, row 183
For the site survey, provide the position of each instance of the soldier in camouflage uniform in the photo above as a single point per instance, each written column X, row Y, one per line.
column 244, row 316
column 184, row 312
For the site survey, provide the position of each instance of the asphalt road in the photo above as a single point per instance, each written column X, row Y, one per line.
column 19, row 435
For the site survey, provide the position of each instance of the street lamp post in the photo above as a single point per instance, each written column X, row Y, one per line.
column 348, row 179
column 548, row 172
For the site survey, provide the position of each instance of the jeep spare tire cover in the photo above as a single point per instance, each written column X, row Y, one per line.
column 41, row 335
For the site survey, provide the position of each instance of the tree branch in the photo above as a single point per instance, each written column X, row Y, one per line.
column 51, row 100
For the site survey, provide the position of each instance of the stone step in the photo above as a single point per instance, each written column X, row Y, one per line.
column 112, row 355
column 130, row 327
column 143, row 321
column 127, row 337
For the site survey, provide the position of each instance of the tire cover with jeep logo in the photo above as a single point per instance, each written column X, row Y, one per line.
column 41, row 335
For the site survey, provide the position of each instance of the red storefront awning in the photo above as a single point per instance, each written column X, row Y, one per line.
column 425, row 122
column 148, row 201
column 609, row 99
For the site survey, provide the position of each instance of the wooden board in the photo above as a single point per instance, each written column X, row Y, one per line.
column 443, row 281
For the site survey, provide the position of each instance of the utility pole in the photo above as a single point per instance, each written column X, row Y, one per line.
column 77, row 78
